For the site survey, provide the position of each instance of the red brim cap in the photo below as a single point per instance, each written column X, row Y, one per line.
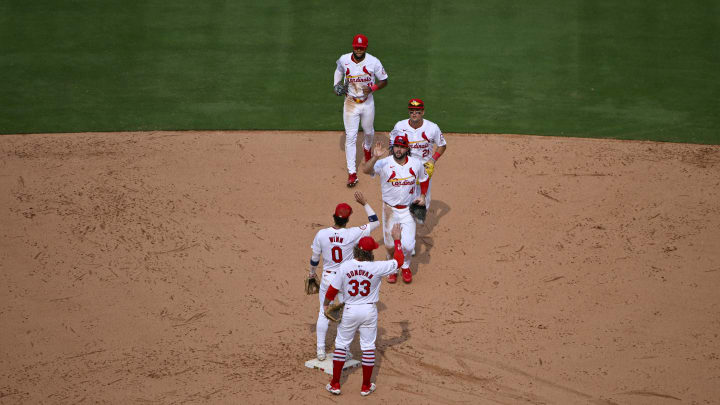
column 343, row 210
column 401, row 140
column 368, row 244
column 416, row 104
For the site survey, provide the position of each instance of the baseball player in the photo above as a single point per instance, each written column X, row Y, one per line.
column 399, row 174
column 335, row 245
column 364, row 75
column 422, row 134
column 359, row 281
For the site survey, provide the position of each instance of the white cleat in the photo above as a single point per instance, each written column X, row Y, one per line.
column 333, row 390
column 368, row 390
column 321, row 354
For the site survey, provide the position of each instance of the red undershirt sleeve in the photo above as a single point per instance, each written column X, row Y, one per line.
column 424, row 186
column 331, row 293
column 399, row 256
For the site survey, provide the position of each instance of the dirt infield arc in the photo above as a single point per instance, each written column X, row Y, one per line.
column 167, row 267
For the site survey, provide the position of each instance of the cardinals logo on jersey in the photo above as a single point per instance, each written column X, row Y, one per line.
column 396, row 182
column 425, row 136
column 366, row 71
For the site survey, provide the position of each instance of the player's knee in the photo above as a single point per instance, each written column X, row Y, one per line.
column 408, row 246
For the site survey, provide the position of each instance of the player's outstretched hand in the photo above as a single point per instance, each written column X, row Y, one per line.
column 396, row 231
column 360, row 198
column 378, row 150
column 420, row 200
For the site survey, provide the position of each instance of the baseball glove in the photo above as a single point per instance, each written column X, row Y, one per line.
column 429, row 168
column 334, row 311
column 312, row 286
column 418, row 211
column 341, row 89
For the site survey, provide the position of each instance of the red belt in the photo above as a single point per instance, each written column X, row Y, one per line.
column 397, row 206
column 358, row 100
column 328, row 271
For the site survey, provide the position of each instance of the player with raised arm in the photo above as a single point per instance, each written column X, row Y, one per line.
column 399, row 173
column 335, row 244
column 359, row 281
column 422, row 135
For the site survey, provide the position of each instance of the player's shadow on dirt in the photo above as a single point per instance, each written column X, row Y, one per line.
column 382, row 343
column 423, row 240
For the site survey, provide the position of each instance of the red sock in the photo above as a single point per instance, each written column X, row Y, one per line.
column 338, row 363
column 368, row 155
column 337, row 371
column 368, row 362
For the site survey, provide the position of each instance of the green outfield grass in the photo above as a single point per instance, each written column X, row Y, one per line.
column 640, row 69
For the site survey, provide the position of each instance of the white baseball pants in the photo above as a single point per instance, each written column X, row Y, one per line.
column 323, row 323
column 357, row 317
column 392, row 216
column 355, row 114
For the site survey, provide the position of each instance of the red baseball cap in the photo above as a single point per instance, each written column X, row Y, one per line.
column 368, row 244
column 401, row 140
column 343, row 210
column 416, row 104
column 360, row 41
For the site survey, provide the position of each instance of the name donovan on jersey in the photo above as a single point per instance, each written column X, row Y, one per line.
column 359, row 272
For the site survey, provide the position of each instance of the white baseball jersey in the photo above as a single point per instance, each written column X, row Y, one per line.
column 359, row 282
column 397, row 182
column 359, row 75
column 336, row 245
column 421, row 139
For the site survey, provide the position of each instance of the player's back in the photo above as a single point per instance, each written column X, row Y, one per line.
column 362, row 279
column 336, row 245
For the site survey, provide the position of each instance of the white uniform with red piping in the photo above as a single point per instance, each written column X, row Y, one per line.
column 397, row 183
column 359, row 282
column 421, row 141
column 358, row 109
column 336, row 246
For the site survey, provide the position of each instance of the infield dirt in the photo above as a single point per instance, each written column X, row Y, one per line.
column 168, row 267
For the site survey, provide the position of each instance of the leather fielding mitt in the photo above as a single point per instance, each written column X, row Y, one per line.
column 334, row 311
column 341, row 89
column 419, row 212
column 429, row 168
column 312, row 286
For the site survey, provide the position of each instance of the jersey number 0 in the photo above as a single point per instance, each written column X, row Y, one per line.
column 336, row 254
